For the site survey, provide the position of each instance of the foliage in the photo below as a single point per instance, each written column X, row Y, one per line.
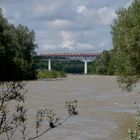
column 126, row 41
column 71, row 107
column 134, row 134
column 127, row 82
column 65, row 66
column 51, row 74
column 104, row 64
column 14, row 117
column 11, row 92
column 16, row 52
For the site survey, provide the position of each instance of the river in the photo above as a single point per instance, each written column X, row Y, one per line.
column 105, row 111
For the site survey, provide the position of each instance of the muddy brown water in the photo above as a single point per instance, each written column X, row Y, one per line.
column 105, row 111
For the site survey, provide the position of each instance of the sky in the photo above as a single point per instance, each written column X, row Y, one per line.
column 66, row 25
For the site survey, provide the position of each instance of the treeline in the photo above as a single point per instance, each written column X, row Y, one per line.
column 103, row 65
column 65, row 66
column 16, row 52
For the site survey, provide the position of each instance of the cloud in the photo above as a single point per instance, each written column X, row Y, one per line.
column 69, row 44
column 67, row 35
column 128, row 4
column 66, row 25
column 50, row 10
column 101, row 16
column 60, row 24
column 84, row 20
column 84, row 46
column 105, row 15
column 81, row 9
column 73, row 42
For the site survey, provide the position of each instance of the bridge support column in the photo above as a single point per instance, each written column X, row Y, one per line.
column 85, row 67
column 49, row 64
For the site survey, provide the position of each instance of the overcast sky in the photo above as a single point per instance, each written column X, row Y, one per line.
column 66, row 25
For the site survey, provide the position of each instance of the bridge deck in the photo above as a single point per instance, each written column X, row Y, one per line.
column 69, row 54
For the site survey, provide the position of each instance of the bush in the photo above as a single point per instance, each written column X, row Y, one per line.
column 51, row 74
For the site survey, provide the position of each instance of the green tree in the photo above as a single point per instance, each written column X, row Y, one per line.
column 25, row 52
column 104, row 64
column 111, row 68
column 126, row 41
column 16, row 52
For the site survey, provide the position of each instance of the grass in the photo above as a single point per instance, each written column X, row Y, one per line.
column 50, row 74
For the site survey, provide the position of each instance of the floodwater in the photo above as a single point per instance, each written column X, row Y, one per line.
column 105, row 111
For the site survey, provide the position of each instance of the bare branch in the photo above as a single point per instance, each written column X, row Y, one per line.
column 50, row 128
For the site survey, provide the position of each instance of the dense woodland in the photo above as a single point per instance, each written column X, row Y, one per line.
column 16, row 52
column 126, row 44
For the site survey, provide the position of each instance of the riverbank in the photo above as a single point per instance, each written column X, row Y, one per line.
column 50, row 74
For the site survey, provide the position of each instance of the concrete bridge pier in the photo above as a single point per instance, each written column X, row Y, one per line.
column 85, row 67
column 49, row 64
column 86, row 63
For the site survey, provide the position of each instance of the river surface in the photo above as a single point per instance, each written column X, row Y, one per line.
column 105, row 111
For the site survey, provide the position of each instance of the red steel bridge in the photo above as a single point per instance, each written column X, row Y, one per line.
column 84, row 57
column 44, row 54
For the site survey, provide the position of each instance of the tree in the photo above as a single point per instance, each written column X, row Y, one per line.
column 104, row 64
column 25, row 53
column 16, row 52
column 126, row 42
